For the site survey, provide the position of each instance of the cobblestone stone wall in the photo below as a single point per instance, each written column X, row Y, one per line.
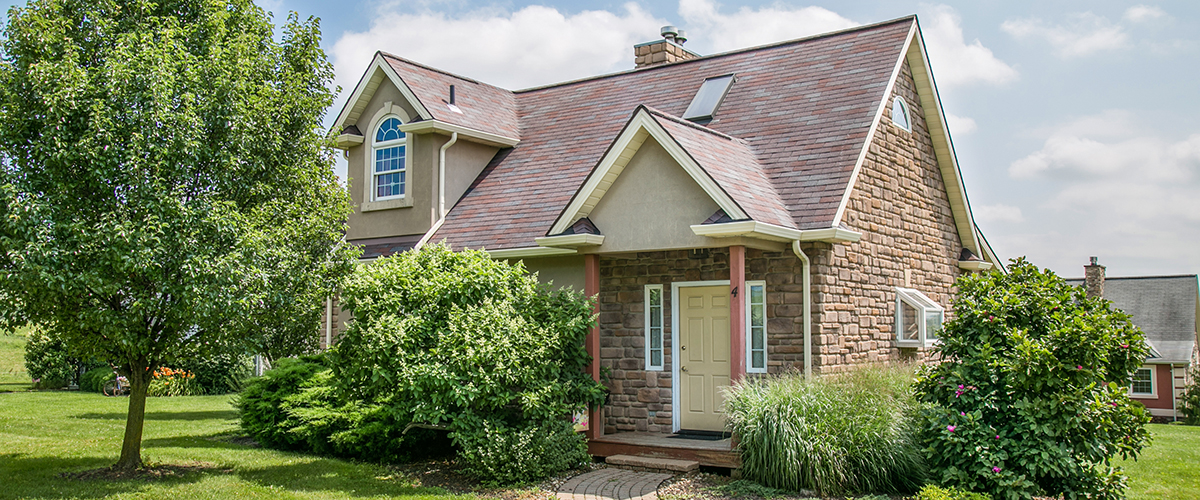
column 900, row 206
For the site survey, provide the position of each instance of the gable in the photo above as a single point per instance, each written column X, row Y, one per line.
column 652, row 205
column 364, row 92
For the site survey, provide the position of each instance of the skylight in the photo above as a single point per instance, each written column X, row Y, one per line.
column 708, row 98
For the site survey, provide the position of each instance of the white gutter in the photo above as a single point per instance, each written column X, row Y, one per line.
column 806, row 292
column 441, row 192
column 442, row 176
column 328, row 323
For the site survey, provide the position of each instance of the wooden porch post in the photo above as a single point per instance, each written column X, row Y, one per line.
column 591, row 289
column 737, row 312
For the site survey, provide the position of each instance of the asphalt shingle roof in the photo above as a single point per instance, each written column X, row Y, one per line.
column 1164, row 307
column 800, row 113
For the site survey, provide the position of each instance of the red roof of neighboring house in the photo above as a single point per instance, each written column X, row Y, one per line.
column 798, row 115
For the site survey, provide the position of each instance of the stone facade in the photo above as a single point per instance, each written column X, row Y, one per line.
column 640, row 400
column 910, row 239
column 660, row 52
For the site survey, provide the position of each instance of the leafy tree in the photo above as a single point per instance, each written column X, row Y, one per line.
column 163, row 167
column 1031, row 396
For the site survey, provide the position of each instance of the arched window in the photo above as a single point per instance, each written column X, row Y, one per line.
column 389, row 176
column 900, row 114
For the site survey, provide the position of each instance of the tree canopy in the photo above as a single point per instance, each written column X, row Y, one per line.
column 166, row 185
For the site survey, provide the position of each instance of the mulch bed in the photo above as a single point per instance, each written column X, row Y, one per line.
column 148, row 472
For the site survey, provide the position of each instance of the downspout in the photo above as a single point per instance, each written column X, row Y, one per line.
column 328, row 322
column 441, row 192
column 806, row 292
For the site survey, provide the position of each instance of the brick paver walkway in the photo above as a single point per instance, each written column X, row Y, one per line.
column 613, row 484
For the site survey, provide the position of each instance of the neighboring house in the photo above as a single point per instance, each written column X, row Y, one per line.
column 796, row 206
column 1166, row 308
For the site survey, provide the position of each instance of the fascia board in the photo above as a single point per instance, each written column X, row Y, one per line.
column 943, row 146
column 749, row 229
column 831, row 235
column 377, row 64
column 516, row 253
column 866, row 146
column 974, row 265
column 570, row 240
column 470, row 134
column 642, row 121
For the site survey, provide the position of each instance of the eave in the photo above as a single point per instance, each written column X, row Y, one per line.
column 470, row 134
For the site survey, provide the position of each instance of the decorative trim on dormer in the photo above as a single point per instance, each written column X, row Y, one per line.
column 376, row 73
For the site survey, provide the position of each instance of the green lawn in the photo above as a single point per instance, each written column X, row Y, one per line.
column 13, row 376
column 46, row 434
column 1169, row 468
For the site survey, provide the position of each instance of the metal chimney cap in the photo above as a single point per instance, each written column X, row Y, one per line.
column 669, row 30
column 1095, row 260
column 681, row 37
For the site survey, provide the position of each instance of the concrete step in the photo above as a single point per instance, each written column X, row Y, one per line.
column 652, row 464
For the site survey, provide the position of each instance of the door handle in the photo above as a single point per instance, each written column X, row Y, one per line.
column 683, row 369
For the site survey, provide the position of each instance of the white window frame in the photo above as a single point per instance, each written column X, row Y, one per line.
column 648, row 312
column 1153, row 394
column 375, row 146
column 924, row 305
column 750, row 285
column 905, row 110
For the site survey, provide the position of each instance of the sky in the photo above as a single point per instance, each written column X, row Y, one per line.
column 1076, row 123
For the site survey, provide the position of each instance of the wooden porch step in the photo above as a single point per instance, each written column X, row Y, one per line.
column 652, row 464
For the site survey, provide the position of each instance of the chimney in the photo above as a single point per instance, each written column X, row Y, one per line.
column 668, row 50
column 1093, row 279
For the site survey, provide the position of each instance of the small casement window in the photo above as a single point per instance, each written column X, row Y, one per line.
column 918, row 318
column 1143, row 382
column 900, row 115
column 654, row 327
column 756, row 327
column 389, row 174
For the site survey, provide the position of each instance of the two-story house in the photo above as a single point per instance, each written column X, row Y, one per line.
column 795, row 206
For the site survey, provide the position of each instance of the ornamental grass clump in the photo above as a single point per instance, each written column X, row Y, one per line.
column 838, row 434
column 1031, row 398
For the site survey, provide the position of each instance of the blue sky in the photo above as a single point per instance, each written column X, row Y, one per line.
column 1076, row 124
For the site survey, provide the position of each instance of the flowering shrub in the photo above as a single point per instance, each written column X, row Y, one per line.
column 1031, row 396
column 171, row 382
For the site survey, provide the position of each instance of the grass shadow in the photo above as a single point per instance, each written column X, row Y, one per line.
column 166, row 415
column 345, row 478
column 221, row 441
column 52, row 477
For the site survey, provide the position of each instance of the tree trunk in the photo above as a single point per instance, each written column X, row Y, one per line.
column 131, row 448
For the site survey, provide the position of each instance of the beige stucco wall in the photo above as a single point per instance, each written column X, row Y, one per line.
column 561, row 271
column 464, row 161
column 651, row 205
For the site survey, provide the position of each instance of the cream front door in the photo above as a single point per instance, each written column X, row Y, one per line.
column 703, row 356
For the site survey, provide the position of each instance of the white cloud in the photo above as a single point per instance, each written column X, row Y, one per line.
column 1118, row 190
column 718, row 32
column 998, row 213
column 532, row 46
column 956, row 62
column 960, row 125
column 1140, row 13
column 1084, row 34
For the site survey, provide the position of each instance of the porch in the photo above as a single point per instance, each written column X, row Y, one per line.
column 717, row 453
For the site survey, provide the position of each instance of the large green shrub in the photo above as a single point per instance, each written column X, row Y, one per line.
column 837, row 434
column 458, row 341
column 217, row 372
column 506, row 456
column 94, row 379
column 294, row 407
column 49, row 363
column 1189, row 403
column 1031, row 396
column 933, row 492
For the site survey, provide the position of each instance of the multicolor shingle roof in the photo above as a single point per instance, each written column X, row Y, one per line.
column 786, row 139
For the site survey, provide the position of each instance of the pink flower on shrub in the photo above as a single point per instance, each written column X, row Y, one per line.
column 997, row 436
column 995, row 469
column 962, row 413
column 1078, row 367
column 951, row 428
column 1124, row 346
column 37, row 380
